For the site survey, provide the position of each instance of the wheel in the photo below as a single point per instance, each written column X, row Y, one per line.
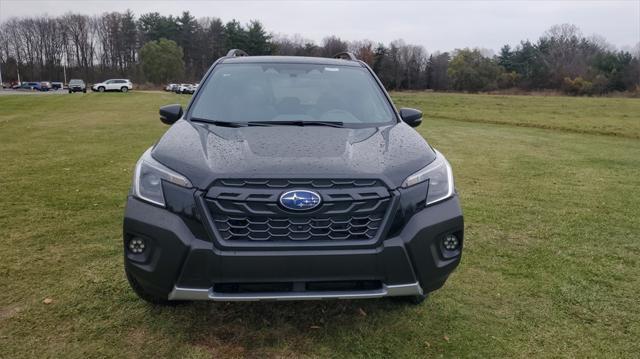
column 70, row 91
column 144, row 295
column 84, row 91
column 124, row 89
column 101, row 89
column 411, row 299
column 417, row 299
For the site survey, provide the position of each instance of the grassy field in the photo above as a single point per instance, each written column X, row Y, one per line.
column 551, row 193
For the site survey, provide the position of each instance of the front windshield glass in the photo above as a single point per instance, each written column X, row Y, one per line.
column 292, row 92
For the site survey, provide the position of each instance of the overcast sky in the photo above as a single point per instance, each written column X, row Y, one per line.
column 437, row 25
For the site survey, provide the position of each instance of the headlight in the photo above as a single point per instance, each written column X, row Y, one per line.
column 148, row 177
column 440, row 178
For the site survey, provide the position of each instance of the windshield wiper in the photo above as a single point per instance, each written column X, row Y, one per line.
column 268, row 123
column 219, row 123
column 296, row 123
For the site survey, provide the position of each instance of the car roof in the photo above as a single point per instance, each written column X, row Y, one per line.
column 289, row 60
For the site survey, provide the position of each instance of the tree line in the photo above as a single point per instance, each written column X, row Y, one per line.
column 157, row 48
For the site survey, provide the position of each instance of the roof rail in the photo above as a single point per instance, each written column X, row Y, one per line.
column 236, row 53
column 345, row 56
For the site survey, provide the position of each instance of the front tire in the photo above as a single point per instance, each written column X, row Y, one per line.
column 70, row 91
column 143, row 294
column 417, row 299
column 124, row 89
column 101, row 89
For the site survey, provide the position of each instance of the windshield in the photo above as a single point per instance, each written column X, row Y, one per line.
column 292, row 92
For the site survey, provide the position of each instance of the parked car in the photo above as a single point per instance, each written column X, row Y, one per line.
column 182, row 88
column 45, row 86
column 30, row 86
column 170, row 87
column 188, row 89
column 57, row 85
column 76, row 85
column 191, row 89
column 307, row 184
column 122, row 85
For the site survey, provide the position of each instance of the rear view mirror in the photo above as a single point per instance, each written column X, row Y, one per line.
column 411, row 116
column 169, row 114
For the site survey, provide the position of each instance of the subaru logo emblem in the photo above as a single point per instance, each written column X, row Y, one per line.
column 300, row 200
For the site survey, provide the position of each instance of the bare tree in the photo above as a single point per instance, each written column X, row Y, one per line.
column 80, row 47
column 332, row 45
column 363, row 50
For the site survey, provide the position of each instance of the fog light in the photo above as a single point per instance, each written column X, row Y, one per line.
column 450, row 242
column 136, row 245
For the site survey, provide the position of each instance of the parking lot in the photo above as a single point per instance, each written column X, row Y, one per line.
column 6, row 92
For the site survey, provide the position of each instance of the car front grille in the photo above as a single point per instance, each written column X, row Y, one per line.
column 249, row 210
column 299, row 228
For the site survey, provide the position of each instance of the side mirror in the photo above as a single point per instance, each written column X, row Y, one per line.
column 169, row 114
column 411, row 116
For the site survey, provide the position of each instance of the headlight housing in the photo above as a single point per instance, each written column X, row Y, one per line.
column 440, row 178
column 148, row 177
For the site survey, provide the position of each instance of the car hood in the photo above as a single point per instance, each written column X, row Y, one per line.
column 204, row 152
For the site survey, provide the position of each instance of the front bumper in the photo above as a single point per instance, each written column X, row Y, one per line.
column 210, row 294
column 182, row 263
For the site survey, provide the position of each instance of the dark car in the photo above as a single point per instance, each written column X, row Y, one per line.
column 76, row 85
column 30, row 86
column 56, row 85
column 290, row 178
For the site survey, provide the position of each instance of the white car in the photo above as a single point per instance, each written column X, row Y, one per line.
column 122, row 85
column 183, row 88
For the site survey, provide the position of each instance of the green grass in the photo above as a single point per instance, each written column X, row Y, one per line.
column 594, row 115
column 550, row 189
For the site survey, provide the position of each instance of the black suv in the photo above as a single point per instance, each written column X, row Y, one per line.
column 76, row 85
column 290, row 178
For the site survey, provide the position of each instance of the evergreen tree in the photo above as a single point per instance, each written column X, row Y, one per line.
column 162, row 61
column 235, row 36
column 257, row 39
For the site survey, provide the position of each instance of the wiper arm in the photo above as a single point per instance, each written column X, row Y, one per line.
column 267, row 123
column 218, row 123
column 296, row 123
